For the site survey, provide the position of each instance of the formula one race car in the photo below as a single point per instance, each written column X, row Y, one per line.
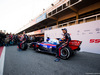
column 65, row 53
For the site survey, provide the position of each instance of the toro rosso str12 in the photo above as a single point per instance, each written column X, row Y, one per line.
column 64, row 53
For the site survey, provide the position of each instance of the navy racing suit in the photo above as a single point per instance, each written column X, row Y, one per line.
column 64, row 43
column 24, row 40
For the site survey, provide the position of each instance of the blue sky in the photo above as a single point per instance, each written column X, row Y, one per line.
column 16, row 13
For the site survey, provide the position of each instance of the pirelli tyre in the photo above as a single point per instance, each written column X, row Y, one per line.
column 24, row 46
column 65, row 53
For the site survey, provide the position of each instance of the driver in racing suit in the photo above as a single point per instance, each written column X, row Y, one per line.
column 66, row 39
column 22, row 40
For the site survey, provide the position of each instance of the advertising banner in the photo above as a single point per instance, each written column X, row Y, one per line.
column 88, row 33
column 32, row 22
column 40, row 18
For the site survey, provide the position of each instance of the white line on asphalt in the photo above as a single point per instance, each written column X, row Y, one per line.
column 2, row 59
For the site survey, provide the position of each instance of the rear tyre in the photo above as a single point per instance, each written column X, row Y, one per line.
column 65, row 53
column 24, row 46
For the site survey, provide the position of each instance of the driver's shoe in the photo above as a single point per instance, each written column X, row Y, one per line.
column 57, row 60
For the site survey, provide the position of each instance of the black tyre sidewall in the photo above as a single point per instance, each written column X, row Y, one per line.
column 68, row 53
column 24, row 46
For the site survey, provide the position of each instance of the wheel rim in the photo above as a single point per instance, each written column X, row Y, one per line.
column 65, row 52
column 22, row 46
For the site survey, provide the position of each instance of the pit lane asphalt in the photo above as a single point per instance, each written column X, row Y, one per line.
column 33, row 63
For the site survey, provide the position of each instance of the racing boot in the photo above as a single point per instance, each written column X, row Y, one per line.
column 57, row 60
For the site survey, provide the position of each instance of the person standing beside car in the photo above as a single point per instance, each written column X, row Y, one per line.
column 66, row 39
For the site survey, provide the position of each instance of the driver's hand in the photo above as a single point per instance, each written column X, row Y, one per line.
column 63, row 44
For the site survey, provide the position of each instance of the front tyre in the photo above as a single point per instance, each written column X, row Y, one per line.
column 65, row 53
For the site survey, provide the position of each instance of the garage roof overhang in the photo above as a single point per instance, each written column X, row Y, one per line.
column 53, row 18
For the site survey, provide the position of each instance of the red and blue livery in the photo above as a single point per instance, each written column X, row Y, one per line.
column 65, row 52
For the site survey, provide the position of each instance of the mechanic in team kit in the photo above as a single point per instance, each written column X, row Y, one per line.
column 65, row 41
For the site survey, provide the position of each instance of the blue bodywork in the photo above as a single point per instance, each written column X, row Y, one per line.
column 45, row 47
